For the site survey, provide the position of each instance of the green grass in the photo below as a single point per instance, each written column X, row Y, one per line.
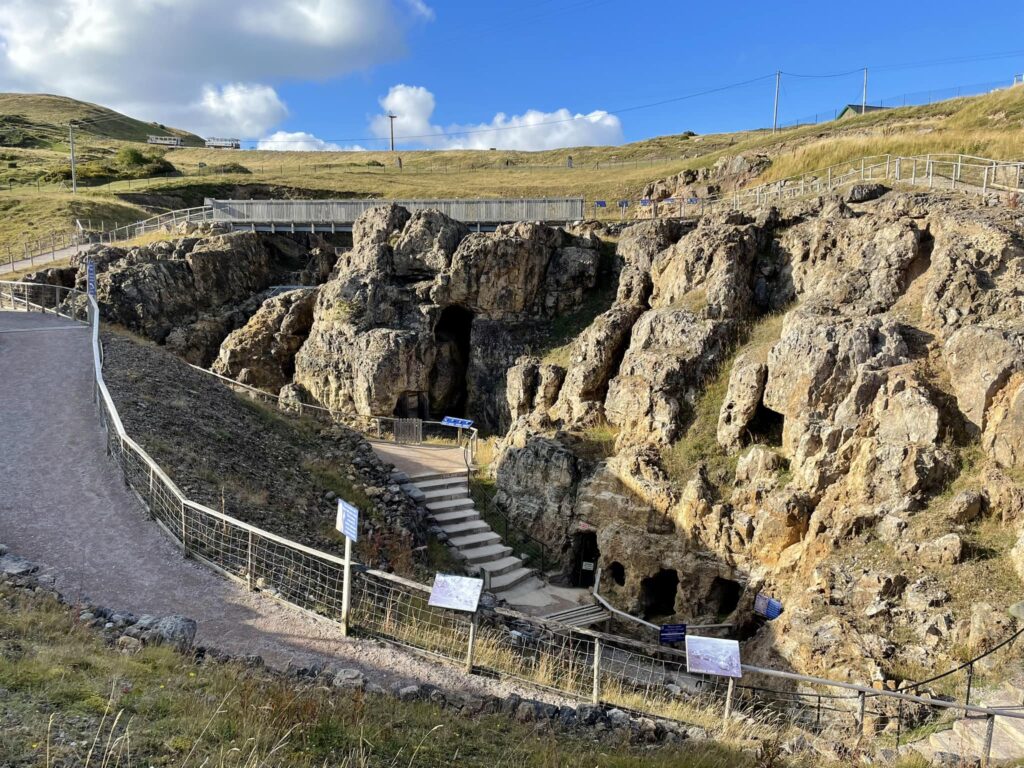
column 700, row 443
column 65, row 691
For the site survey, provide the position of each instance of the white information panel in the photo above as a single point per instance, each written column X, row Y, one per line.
column 713, row 656
column 459, row 593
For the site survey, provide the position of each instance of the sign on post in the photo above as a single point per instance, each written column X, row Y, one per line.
column 713, row 656
column 600, row 204
column 348, row 520
column 671, row 633
column 348, row 524
column 768, row 607
column 90, row 272
column 451, row 421
column 460, row 593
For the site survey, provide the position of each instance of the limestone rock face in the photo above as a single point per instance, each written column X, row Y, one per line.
column 746, row 385
column 670, row 352
column 980, row 359
column 422, row 318
column 262, row 352
column 1003, row 438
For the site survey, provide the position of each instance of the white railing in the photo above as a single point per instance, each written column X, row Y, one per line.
column 576, row 662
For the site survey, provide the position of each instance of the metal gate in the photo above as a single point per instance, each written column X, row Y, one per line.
column 408, row 430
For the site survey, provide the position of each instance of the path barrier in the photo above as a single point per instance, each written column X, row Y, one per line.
column 576, row 663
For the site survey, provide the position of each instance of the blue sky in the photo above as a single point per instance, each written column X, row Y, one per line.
column 314, row 72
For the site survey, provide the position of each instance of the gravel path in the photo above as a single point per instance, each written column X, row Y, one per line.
column 64, row 505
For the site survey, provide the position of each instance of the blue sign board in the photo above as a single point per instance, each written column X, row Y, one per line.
column 692, row 200
column 672, row 633
column 669, row 200
column 600, row 204
column 623, row 203
column 90, row 271
column 645, row 201
column 348, row 520
column 451, row 421
column 768, row 607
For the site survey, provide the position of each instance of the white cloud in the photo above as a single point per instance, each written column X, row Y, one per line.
column 533, row 130
column 245, row 109
column 300, row 141
column 161, row 59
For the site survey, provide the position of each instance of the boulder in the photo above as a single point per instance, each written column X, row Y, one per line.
column 743, row 396
column 980, row 361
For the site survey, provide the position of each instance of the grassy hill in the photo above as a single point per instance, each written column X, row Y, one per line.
column 990, row 125
column 40, row 119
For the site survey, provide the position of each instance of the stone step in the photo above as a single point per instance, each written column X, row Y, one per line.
column 430, row 478
column 449, row 505
column 440, row 493
column 501, row 566
column 483, row 555
column 474, row 540
column 464, row 527
column 971, row 732
column 948, row 741
column 456, row 516
column 425, row 484
column 511, row 579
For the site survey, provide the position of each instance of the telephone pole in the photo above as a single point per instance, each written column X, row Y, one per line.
column 392, row 117
column 74, row 173
column 775, row 111
column 864, row 99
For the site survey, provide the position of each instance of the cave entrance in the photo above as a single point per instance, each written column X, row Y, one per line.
column 411, row 405
column 585, row 555
column 766, row 426
column 658, row 593
column 617, row 573
column 448, row 392
column 724, row 596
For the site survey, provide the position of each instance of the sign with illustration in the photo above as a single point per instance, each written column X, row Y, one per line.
column 768, row 607
column 451, row 421
column 460, row 593
column 90, row 279
column 713, row 656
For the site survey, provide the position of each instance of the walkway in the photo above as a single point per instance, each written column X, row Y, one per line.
column 64, row 505
column 38, row 261
column 422, row 459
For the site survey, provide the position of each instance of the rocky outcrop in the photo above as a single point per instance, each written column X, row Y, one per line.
column 262, row 352
column 421, row 317
column 746, row 386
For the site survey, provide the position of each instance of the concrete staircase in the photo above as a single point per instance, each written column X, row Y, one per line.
column 451, row 508
column 966, row 738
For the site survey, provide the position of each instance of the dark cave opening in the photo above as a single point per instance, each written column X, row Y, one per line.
column 585, row 556
column 724, row 596
column 411, row 405
column 658, row 593
column 617, row 573
column 448, row 390
column 766, row 426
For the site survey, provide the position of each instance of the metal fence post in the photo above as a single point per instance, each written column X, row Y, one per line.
column 595, row 697
column 970, row 682
column 346, row 587
column 472, row 643
column 861, row 705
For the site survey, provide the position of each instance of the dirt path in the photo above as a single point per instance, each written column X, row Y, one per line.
column 38, row 261
column 64, row 505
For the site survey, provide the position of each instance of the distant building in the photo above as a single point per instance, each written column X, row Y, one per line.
column 857, row 109
column 166, row 141
column 224, row 143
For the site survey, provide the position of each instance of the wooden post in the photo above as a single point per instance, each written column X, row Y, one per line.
column 248, row 564
column 346, row 587
column 471, row 644
column 184, row 545
column 596, row 694
column 728, row 700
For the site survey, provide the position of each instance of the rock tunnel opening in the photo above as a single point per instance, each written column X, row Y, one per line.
column 585, row 556
column 766, row 426
column 448, row 390
column 617, row 573
column 724, row 596
column 658, row 593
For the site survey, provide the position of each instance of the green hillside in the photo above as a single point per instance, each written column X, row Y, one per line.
column 40, row 119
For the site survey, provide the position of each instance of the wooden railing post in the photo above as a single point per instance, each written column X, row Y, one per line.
column 595, row 696
column 472, row 644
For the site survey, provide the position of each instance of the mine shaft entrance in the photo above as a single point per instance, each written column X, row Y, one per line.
column 585, row 555
column 658, row 593
column 448, row 390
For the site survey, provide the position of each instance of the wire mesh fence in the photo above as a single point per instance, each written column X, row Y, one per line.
column 576, row 663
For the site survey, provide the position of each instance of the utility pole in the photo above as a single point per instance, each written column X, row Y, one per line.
column 74, row 173
column 392, row 117
column 775, row 111
column 864, row 99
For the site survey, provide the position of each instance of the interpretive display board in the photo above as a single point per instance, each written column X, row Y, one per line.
column 713, row 656
column 460, row 593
